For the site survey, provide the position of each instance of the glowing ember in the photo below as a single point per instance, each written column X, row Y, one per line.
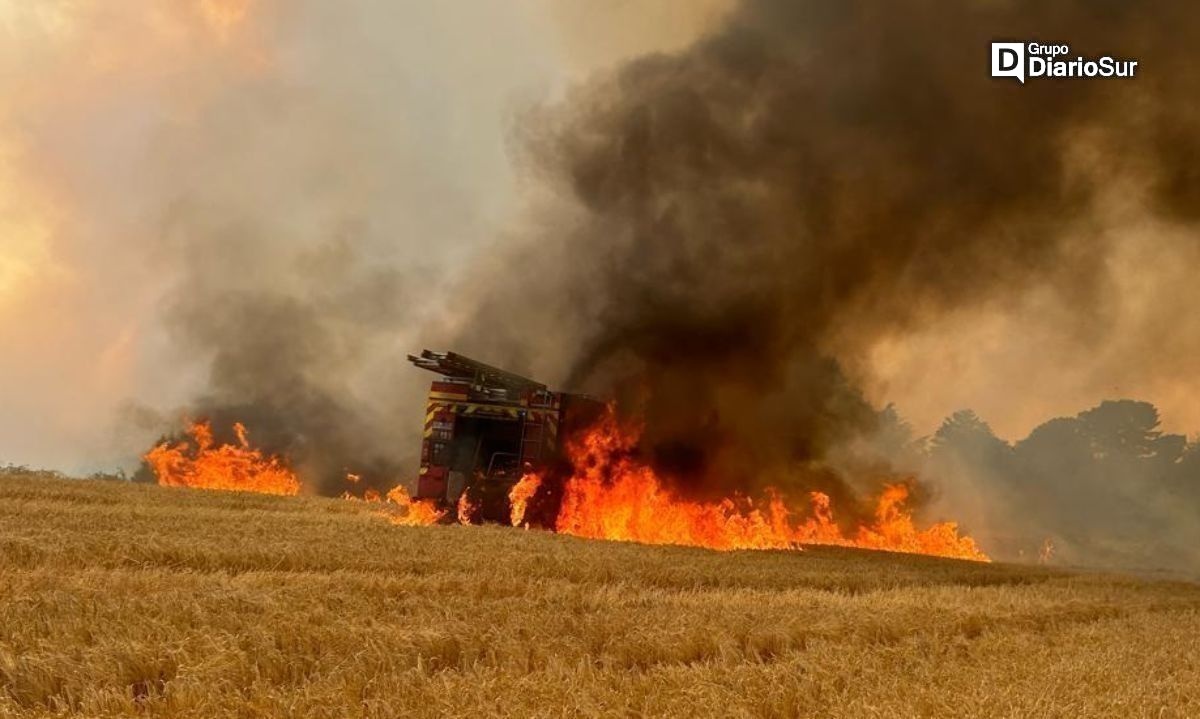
column 417, row 512
column 520, row 494
column 613, row 496
column 202, row 464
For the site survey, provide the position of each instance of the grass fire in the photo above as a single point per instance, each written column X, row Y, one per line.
column 502, row 448
column 785, row 358
column 201, row 464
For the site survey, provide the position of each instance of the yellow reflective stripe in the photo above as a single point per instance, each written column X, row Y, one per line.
column 472, row 408
column 446, row 395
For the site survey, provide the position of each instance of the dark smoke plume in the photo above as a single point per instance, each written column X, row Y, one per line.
column 289, row 364
column 736, row 223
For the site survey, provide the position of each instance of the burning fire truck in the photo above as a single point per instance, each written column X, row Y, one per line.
column 486, row 427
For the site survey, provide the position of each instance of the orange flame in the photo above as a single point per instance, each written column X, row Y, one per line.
column 613, row 496
column 417, row 512
column 520, row 494
column 610, row 495
column 202, row 464
column 895, row 531
column 414, row 512
column 465, row 509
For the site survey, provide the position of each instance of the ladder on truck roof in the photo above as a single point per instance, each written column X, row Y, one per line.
column 456, row 366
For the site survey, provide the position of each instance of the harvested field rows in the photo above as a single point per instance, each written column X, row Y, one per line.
column 120, row 600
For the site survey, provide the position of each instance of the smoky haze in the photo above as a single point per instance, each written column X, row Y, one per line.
column 224, row 208
column 1105, row 486
column 731, row 228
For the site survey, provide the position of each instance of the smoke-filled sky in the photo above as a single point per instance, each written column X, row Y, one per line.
column 160, row 156
column 262, row 205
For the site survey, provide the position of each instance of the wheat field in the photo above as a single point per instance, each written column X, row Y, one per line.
column 127, row 600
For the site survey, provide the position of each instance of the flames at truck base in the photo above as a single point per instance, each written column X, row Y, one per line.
column 416, row 512
column 523, row 491
column 465, row 509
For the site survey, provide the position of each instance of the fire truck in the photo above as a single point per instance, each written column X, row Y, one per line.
column 486, row 427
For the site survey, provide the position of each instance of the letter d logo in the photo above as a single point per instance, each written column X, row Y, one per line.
column 1008, row 60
